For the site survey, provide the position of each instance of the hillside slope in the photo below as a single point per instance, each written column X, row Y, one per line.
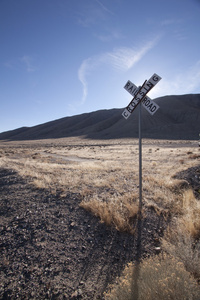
column 177, row 118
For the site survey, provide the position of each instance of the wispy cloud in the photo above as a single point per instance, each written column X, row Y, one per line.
column 82, row 74
column 180, row 35
column 104, row 7
column 9, row 64
column 110, row 35
column 124, row 58
column 92, row 13
column 21, row 63
column 121, row 59
column 168, row 22
column 187, row 82
column 177, row 27
column 28, row 61
column 193, row 77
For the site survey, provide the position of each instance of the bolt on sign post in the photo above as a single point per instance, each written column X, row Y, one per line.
column 140, row 96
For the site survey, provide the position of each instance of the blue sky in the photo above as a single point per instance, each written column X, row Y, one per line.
column 66, row 57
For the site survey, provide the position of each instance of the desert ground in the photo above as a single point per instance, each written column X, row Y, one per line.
column 69, row 211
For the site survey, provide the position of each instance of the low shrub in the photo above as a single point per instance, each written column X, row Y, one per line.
column 160, row 277
column 179, row 243
column 120, row 213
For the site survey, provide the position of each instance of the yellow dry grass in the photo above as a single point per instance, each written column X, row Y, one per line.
column 120, row 212
column 182, row 239
column 105, row 173
column 160, row 277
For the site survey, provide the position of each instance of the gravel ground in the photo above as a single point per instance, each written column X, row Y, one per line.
column 53, row 249
column 192, row 177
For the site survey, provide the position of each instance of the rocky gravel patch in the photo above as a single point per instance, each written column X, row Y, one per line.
column 51, row 248
column 192, row 178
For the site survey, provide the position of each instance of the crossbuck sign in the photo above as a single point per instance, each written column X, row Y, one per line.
column 140, row 95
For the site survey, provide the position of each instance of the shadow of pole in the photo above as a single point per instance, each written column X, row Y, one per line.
column 136, row 267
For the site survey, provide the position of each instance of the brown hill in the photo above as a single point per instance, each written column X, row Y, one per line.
column 177, row 118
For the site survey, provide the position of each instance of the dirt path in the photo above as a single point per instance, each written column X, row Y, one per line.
column 53, row 249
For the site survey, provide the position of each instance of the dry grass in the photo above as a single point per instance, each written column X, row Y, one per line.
column 121, row 213
column 190, row 219
column 182, row 239
column 171, row 276
column 184, row 248
column 161, row 277
column 105, row 174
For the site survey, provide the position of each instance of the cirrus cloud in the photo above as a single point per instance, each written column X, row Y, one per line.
column 185, row 82
column 121, row 59
column 28, row 61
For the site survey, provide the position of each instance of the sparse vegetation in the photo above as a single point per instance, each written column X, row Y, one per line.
column 172, row 276
column 102, row 172
column 159, row 277
column 182, row 239
column 118, row 212
column 105, row 175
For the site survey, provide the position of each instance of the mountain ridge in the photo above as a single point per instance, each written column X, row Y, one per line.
column 177, row 118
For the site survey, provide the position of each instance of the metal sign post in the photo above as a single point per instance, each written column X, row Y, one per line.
column 140, row 157
column 140, row 98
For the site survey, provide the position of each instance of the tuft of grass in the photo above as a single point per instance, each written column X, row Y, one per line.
column 159, row 277
column 181, row 245
column 191, row 216
column 118, row 212
column 182, row 239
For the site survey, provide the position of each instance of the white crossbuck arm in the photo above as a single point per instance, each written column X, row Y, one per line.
column 149, row 104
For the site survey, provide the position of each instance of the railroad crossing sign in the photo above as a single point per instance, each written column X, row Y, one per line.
column 140, row 96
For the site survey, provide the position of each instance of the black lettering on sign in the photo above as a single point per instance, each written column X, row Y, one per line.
column 149, row 84
column 147, row 102
column 153, row 108
column 131, row 89
column 135, row 102
column 155, row 78
column 125, row 114
column 135, row 92
column 145, row 89
column 129, row 109
column 150, row 106
column 144, row 100
column 127, row 85
column 132, row 105
column 142, row 93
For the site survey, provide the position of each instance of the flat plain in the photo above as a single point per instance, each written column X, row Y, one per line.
column 69, row 210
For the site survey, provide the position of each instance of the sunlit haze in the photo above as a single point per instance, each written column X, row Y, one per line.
column 61, row 58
